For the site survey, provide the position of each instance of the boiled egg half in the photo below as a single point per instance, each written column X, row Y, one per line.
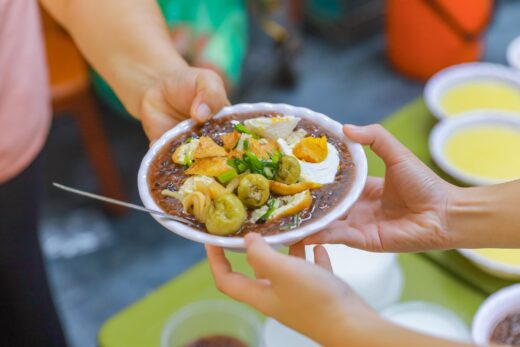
column 323, row 172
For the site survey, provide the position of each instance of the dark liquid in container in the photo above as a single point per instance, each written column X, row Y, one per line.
column 507, row 332
column 217, row 341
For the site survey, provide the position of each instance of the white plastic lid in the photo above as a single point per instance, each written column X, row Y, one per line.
column 278, row 335
column 428, row 319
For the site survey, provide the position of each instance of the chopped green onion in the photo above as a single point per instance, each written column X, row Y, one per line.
column 189, row 139
column 295, row 222
column 268, row 172
column 242, row 129
column 246, row 144
column 227, row 176
column 268, row 213
column 188, row 160
column 275, row 158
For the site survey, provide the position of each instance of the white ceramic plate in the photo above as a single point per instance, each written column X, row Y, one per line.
column 492, row 311
column 495, row 268
column 462, row 73
column 279, row 240
column 445, row 129
column 513, row 53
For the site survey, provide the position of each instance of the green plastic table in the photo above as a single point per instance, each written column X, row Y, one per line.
column 439, row 277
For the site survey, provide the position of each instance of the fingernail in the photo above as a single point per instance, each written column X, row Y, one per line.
column 351, row 127
column 203, row 112
column 248, row 239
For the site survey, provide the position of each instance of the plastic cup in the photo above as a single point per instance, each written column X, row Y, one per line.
column 210, row 318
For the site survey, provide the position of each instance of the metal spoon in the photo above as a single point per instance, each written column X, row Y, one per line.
column 122, row 203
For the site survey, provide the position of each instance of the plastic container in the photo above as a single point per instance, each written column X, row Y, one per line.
column 376, row 277
column 496, row 307
column 442, row 82
column 492, row 267
column 424, row 37
column 443, row 131
column 209, row 318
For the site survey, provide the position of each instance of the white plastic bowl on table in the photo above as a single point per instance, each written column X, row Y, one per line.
column 455, row 75
column 495, row 268
column 283, row 239
column 513, row 53
column 447, row 128
column 496, row 307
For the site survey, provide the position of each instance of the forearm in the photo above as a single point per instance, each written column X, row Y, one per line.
column 125, row 40
column 487, row 216
column 378, row 332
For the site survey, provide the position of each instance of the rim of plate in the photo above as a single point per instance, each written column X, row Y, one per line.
column 513, row 53
column 454, row 75
column 442, row 131
column 496, row 307
column 493, row 267
column 285, row 238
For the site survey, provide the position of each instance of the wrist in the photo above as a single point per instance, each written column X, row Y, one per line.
column 353, row 326
column 145, row 77
column 468, row 214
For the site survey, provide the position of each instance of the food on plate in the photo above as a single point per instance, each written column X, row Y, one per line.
column 225, row 215
column 311, row 149
column 507, row 331
column 265, row 173
column 290, row 189
column 288, row 170
column 253, row 190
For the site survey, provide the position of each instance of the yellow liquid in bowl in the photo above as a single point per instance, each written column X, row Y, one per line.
column 487, row 151
column 481, row 95
column 504, row 256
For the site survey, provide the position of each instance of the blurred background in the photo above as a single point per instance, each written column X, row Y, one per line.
column 355, row 61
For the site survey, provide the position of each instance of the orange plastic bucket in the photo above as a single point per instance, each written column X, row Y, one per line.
column 425, row 36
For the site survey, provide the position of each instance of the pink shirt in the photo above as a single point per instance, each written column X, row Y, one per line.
column 25, row 112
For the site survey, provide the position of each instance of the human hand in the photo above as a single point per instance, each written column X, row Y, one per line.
column 405, row 211
column 187, row 93
column 299, row 294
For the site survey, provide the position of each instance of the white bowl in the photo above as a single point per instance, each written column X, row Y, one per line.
column 428, row 318
column 283, row 239
column 445, row 79
column 495, row 268
column 377, row 277
column 445, row 129
column 496, row 307
column 513, row 53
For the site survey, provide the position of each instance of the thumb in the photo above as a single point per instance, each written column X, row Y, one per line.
column 382, row 143
column 210, row 96
column 262, row 258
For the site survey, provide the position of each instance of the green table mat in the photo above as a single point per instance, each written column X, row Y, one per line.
column 412, row 125
column 141, row 324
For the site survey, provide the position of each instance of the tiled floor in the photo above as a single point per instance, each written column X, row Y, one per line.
column 119, row 260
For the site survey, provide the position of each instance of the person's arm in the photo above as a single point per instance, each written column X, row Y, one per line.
column 412, row 209
column 127, row 42
column 309, row 299
column 487, row 216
